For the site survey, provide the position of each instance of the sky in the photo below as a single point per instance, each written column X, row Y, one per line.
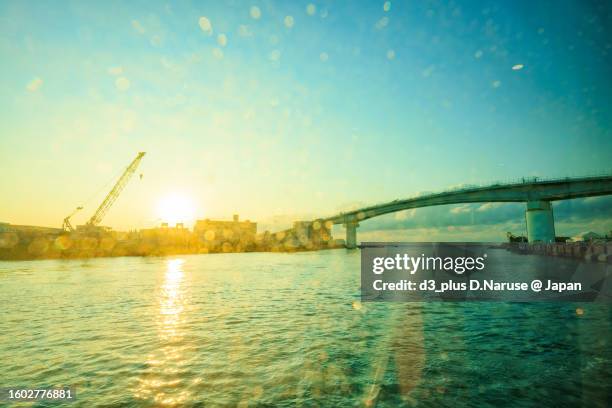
column 291, row 110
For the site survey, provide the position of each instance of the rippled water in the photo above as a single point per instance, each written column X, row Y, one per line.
column 284, row 330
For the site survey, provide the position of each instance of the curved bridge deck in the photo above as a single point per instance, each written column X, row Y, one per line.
column 537, row 194
column 529, row 190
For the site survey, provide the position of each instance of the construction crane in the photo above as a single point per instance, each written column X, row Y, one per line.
column 110, row 197
column 67, row 226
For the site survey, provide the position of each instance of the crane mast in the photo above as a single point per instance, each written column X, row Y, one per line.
column 114, row 193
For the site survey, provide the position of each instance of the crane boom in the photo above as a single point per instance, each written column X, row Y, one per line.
column 114, row 193
column 67, row 226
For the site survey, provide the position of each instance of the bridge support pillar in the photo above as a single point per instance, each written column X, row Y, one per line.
column 351, row 234
column 540, row 221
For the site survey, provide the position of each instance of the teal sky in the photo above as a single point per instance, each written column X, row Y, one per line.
column 293, row 109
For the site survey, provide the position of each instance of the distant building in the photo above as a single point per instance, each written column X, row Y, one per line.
column 163, row 229
column 315, row 233
column 28, row 229
column 303, row 235
column 165, row 236
column 227, row 236
column 591, row 236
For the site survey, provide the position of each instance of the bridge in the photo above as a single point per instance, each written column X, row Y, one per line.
column 537, row 194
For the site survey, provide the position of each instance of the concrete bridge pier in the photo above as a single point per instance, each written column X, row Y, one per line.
column 540, row 221
column 351, row 234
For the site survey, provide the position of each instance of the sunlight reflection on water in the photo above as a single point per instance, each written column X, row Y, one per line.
column 161, row 382
column 282, row 329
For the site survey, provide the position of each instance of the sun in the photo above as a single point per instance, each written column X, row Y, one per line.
column 175, row 208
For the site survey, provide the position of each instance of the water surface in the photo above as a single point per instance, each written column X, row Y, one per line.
column 284, row 330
